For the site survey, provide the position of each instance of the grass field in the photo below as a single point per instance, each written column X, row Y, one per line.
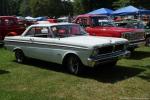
column 38, row 80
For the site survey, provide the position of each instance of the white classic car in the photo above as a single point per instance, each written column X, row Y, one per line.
column 67, row 44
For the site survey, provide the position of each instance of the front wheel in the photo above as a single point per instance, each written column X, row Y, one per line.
column 20, row 57
column 147, row 41
column 73, row 64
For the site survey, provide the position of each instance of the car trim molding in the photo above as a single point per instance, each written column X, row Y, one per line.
column 12, row 42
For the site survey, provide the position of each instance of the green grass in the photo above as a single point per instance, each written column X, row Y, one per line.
column 38, row 80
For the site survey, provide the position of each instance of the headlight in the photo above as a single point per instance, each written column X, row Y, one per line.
column 95, row 52
column 126, row 35
column 126, row 46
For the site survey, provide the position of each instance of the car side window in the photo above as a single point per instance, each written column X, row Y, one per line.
column 82, row 21
column 42, row 32
column 59, row 31
column 30, row 32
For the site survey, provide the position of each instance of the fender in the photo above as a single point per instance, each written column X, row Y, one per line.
column 16, row 48
column 69, row 53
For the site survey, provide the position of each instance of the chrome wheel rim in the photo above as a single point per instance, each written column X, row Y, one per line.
column 74, row 65
column 19, row 56
column 148, row 41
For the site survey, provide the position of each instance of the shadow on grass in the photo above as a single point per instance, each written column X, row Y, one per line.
column 103, row 74
column 4, row 72
column 44, row 65
column 145, row 75
column 137, row 55
column 112, row 75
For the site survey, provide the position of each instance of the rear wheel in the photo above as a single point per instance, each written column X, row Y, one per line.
column 73, row 64
column 20, row 57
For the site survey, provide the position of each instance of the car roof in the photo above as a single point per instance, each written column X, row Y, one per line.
column 52, row 24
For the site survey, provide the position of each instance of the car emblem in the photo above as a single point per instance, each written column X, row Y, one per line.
column 110, row 41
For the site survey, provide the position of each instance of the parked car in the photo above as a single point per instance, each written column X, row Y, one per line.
column 100, row 25
column 9, row 25
column 67, row 44
column 52, row 20
column 137, row 24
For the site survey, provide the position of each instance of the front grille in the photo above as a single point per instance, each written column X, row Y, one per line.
column 104, row 50
column 110, row 49
column 134, row 36
column 119, row 47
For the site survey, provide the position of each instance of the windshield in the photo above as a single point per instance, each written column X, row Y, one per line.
column 67, row 31
column 137, row 25
column 102, row 21
column 134, row 24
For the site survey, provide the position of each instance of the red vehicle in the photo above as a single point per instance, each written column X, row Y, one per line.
column 52, row 20
column 99, row 25
column 9, row 26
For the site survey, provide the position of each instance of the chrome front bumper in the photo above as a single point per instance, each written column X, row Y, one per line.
column 106, row 58
column 1, row 42
column 135, row 44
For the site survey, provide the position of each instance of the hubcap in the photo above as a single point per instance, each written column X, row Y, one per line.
column 19, row 57
column 74, row 65
column 148, row 42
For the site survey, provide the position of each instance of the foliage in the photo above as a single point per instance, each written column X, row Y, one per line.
column 9, row 7
column 67, row 8
column 136, row 3
column 25, row 9
column 78, row 7
column 121, row 3
column 142, row 3
column 85, row 6
column 63, row 7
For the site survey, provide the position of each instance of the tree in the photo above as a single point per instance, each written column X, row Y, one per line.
column 4, row 7
column 46, row 7
column 9, row 7
column 136, row 3
column 13, row 7
column 85, row 6
column 24, row 9
column 142, row 3
column 122, row 3
column 78, row 7
column 67, row 8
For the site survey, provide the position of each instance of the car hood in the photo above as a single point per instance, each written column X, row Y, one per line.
column 119, row 29
column 91, row 41
column 75, row 41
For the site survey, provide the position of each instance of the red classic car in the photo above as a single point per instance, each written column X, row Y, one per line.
column 9, row 26
column 99, row 25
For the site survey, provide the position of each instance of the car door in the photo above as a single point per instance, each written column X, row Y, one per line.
column 41, row 44
column 31, row 44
